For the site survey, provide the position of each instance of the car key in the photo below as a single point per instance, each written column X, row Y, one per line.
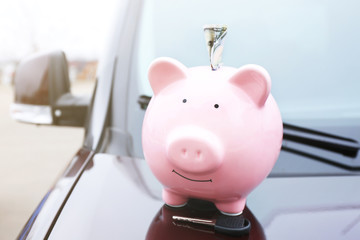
column 235, row 226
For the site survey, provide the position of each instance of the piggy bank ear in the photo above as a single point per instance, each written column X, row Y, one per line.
column 255, row 81
column 164, row 71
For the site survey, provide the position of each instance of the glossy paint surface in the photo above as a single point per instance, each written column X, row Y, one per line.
column 115, row 199
column 213, row 135
column 119, row 198
column 45, row 215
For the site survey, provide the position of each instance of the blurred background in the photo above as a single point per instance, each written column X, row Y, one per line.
column 32, row 157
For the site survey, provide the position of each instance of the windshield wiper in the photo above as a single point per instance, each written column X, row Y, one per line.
column 320, row 140
column 346, row 146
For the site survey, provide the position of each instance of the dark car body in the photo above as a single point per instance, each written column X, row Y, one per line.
column 108, row 191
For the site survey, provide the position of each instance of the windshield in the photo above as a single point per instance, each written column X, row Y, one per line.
column 310, row 49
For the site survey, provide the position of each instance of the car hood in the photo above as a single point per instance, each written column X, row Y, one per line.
column 119, row 198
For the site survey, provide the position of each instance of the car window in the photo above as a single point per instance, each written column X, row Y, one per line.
column 310, row 49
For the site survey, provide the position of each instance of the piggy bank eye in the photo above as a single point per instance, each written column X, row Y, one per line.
column 184, row 100
column 216, row 106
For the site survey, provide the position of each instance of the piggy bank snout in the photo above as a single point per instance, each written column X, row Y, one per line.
column 194, row 150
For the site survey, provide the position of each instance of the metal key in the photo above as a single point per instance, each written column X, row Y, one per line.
column 235, row 226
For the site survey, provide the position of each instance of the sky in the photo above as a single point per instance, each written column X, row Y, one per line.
column 78, row 27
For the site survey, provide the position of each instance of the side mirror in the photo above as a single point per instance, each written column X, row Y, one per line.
column 42, row 92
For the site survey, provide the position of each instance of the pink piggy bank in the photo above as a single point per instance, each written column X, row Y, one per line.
column 212, row 135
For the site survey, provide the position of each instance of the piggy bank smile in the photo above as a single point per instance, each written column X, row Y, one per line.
column 193, row 180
